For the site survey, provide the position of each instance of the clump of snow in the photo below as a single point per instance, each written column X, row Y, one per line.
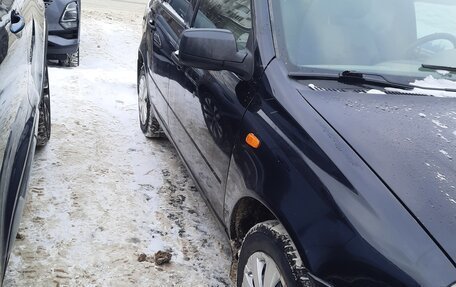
column 441, row 176
column 443, row 72
column 443, row 138
column 450, row 198
column 431, row 82
column 376, row 92
column 445, row 153
column 422, row 115
column 439, row 124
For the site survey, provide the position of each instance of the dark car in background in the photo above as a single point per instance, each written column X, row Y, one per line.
column 25, row 119
column 64, row 18
column 322, row 133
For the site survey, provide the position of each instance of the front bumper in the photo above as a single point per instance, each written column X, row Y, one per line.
column 59, row 47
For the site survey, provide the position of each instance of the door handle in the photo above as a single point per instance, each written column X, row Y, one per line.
column 17, row 22
column 176, row 60
column 152, row 24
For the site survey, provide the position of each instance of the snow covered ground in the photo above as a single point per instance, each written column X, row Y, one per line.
column 101, row 193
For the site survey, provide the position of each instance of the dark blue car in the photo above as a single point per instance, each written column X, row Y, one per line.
column 64, row 18
column 25, row 119
column 322, row 133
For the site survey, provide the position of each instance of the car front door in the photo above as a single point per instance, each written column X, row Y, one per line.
column 166, row 20
column 17, row 115
column 207, row 106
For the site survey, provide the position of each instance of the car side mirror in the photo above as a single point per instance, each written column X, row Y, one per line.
column 214, row 49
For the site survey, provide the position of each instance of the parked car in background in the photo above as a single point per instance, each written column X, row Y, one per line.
column 64, row 18
column 322, row 133
column 25, row 119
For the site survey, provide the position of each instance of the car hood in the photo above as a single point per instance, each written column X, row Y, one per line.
column 409, row 141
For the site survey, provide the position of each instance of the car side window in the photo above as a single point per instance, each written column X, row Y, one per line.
column 233, row 15
column 180, row 7
column 177, row 15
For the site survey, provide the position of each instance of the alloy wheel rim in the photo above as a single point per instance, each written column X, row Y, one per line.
column 46, row 101
column 47, row 119
column 142, row 101
column 262, row 271
column 213, row 119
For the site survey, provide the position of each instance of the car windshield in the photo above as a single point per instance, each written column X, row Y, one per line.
column 407, row 40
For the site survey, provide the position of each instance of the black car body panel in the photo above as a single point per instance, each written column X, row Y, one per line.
column 335, row 205
column 22, row 66
column 62, row 41
column 412, row 137
column 344, row 172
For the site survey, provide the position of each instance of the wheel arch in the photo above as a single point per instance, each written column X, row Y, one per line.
column 247, row 212
column 140, row 63
column 142, row 56
column 243, row 220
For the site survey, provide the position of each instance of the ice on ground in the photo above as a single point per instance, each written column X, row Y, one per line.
column 101, row 193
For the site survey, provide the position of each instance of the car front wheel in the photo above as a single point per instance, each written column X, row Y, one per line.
column 44, row 124
column 148, row 123
column 268, row 257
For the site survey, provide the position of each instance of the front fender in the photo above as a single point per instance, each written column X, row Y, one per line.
column 348, row 227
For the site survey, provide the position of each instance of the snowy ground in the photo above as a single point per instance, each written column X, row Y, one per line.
column 118, row 5
column 101, row 194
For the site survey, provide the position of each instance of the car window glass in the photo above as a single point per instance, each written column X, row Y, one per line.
column 234, row 15
column 426, row 24
column 180, row 7
column 177, row 15
column 176, row 26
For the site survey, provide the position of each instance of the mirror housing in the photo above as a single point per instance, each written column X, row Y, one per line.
column 214, row 49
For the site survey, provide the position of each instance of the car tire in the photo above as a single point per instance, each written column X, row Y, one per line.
column 147, row 121
column 72, row 60
column 44, row 123
column 268, row 257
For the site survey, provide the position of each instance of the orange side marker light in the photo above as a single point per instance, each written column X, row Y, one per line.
column 252, row 140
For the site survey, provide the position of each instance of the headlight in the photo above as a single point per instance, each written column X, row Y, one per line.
column 70, row 16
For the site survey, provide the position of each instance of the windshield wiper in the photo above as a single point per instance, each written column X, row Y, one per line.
column 437, row 67
column 352, row 77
